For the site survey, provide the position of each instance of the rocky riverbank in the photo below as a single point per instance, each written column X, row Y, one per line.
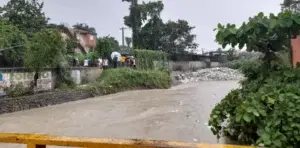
column 208, row 74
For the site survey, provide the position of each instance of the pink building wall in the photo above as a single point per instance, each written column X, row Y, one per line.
column 296, row 50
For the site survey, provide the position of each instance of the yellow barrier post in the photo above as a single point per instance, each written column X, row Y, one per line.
column 40, row 141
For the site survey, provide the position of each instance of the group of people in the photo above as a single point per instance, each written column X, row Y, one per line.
column 125, row 62
column 104, row 63
column 88, row 62
column 128, row 62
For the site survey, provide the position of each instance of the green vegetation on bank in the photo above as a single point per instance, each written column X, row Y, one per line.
column 27, row 38
column 240, row 62
column 266, row 109
column 122, row 79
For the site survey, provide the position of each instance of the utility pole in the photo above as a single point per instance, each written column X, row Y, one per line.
column 123, row 39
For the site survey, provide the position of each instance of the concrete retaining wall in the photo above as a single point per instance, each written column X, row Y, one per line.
column 85, row 75
column 46, row 81
column 191, row 65
column 9, row 105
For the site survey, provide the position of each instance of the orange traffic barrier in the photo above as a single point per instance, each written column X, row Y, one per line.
column 41, row 141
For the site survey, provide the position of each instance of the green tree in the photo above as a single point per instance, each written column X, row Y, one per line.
column 152, row 31
column 85, row 27
column 47, row 50
column 55, row 26
column 177, row 37
column 128, row 41
column 171, row 37
column 153, row 9
column 13, row 43
column 106, row 45
column 70, row 46
column 266, row 34
column 114, row 44
column 27, row 15
column 135, row 20
column 263, row 110
column 293, row 5
column 152, row 34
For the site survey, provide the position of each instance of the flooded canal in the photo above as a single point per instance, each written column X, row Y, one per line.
column 180, row 114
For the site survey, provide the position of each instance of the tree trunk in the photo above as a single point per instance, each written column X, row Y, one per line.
column 36, row 76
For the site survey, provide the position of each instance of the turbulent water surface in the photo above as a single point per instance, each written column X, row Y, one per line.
column 180, row 113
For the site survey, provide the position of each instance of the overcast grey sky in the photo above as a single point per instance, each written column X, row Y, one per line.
column 107, row 15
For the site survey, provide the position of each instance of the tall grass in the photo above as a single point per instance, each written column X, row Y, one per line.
column 122, row 79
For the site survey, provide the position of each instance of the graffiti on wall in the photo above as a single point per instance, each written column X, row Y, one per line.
column 44, row 81
column 3, row 83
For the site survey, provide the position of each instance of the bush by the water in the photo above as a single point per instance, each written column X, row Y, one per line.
column 245, row 58
column 265, row 111
column 121, row 79
column 150, row 59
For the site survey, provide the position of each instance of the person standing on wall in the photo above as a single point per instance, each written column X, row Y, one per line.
column 105, row 63
column 74, row 62
column 100, row 63
column 86, row 62
column 115, row 60
column 123, row 60
column 133, row 63
column 127, row 62
column 77, row 62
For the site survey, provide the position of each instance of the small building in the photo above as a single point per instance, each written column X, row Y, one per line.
column 86, row 42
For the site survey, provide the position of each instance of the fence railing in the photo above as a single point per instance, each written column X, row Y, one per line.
column 41, row 141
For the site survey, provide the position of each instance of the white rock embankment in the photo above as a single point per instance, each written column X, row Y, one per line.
column 208, row 74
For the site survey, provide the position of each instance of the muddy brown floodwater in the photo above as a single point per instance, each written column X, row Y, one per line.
column 180, row 114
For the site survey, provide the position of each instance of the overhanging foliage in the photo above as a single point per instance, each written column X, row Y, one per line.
column 266, row 34
column 265, row 111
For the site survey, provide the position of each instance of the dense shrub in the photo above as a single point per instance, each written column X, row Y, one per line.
column 236, row 64
column 269, row 111
column 18, row 90
column 245, row 58
column 145, row 59
column 265, row 111
column 121, row 79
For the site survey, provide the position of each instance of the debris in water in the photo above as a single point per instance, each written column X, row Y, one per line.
column 197, row 121
column 210, row 74
column 188, row 116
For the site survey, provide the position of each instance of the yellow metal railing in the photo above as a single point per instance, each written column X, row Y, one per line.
column 41, row 141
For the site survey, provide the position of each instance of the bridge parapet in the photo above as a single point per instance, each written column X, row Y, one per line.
column 41, row 141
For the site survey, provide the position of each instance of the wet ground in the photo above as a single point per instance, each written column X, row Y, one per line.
column 178, row 114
